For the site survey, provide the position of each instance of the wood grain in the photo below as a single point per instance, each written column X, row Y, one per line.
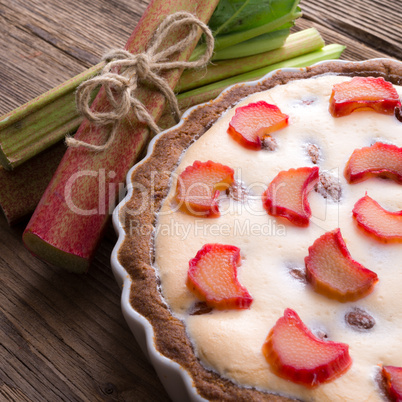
column 47, row 42
column 375, row 23
column 62, row 336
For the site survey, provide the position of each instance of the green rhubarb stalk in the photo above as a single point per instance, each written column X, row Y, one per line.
column 257, row 45
column 238, row 37
column 73, row 213
column 211, row 91
column 40, row 123
column 296, row 44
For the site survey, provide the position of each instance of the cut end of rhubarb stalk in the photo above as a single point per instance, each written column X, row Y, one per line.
column 199, row 186
column 253, row 122
column 363, row 93
column 333, row 273
column 4, row 161
column 295, row 354
column 393, row 382
column 212, row 276
column 286, row 195
column 53, row 255
column 378, row 222
column 381, row 160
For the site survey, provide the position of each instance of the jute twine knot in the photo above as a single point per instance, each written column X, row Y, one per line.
column 124, row 71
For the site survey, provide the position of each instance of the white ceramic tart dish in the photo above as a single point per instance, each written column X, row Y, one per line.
column 214, row 354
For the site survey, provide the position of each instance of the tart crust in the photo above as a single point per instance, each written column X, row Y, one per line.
column 136, row 251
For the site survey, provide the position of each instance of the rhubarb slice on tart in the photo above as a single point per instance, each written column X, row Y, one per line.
column 254, row 122
column 333, row 272
column 224, row 349
column 393, row 381
column 297, row 355
column 286, row 195
column 199, row 186
column 379, row 160
column 364, row 93
column 212, row 276
column 375, row 220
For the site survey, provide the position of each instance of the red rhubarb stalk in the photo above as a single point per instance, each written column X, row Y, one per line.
column 68, row 223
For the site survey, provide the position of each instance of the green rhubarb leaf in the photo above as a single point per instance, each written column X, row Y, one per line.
column 241, row 15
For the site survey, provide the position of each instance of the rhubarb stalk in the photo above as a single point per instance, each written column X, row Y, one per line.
column 211, row 91
column 68, row 223
column 40, row 123
column 259, row 44
column 296, row 44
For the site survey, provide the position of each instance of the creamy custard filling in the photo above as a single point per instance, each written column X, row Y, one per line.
column 230, row 342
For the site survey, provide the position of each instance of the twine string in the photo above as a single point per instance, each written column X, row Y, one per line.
column 124, row 71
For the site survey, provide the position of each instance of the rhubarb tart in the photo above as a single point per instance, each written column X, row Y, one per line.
column 260, row 243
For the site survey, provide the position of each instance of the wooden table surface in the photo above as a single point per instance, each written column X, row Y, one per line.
column 62, row 336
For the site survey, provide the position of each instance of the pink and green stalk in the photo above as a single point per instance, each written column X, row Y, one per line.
column 70, row 219
column 42, row 122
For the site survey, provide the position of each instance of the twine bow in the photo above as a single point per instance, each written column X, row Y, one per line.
column 134, row 69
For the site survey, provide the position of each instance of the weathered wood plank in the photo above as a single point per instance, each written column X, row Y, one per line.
column 375, row 23
column 355, row 50
column 63, row 336
column 47, row 42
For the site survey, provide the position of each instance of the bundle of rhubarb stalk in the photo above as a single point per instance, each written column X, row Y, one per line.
column 73, row 191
